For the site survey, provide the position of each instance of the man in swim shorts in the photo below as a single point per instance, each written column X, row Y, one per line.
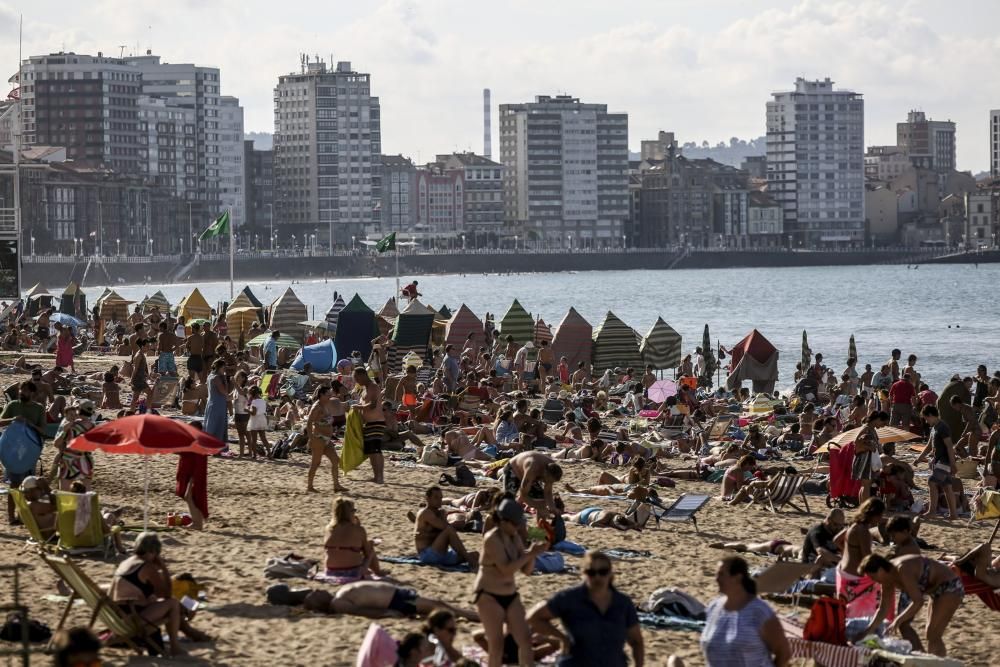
column 376, row 599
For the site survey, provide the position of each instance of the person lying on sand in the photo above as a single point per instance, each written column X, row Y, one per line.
column 595, row 517
column 783, row 549
column 759, row 488
column 375, row 599
column 436, row 541
column 457, row 443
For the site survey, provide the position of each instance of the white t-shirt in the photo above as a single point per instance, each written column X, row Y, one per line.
column 179, row 331
column 258, row 422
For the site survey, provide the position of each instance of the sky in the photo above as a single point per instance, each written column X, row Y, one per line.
column 702, row 69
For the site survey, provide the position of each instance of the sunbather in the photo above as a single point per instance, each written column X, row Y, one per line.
column 783, row 549
column 980, row 563
column 375, row 599
column 436, row 540
column 41, row 503
column 349, row 553
column 595, row 517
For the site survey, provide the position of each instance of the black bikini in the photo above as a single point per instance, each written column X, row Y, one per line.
column 505, row 600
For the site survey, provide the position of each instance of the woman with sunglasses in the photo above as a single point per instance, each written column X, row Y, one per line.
column 441, row 630
column 496, row 598
column 597, row 619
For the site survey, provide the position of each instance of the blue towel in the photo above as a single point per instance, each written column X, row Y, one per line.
column 413, row 560
column 668, row 622
column 571, row 548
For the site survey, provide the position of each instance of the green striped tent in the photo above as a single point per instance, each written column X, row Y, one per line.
column 615, row 344
column 661, row 346
column 158, row 300
column 517, row 322
column 285, row 314
column 412, row 333
column 445, row 312
column 74, row 302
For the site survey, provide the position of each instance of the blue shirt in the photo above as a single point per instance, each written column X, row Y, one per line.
column 595, row 638
column 271, row 352
column 452, row 369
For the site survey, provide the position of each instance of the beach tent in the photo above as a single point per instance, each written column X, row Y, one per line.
column 38, row 299
column 517, row 323
column 74, row 302
column 240, row 314
column 194, row 306
column 412, row 333
column 615, row 344
column 573, row 339
column 542, row 331
column 461, row 324
column 661, row 346
column 355, row 329
column 333, row 313
column 444, row 312
column 389, row 309
column 754, row 359
column 285, row 314
column 159, row 300
column 113, row 306
column 322, row 356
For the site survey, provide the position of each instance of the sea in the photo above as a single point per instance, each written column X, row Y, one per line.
column 944, row 314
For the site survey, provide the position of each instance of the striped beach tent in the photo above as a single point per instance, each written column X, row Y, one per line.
column 574, row 339
column 389, row 310
column 285, row 314
column 542, row 331
column 615, row 344
column 74, row 302
column 38, row 299
column 194, row 306
column 157, row 299
column 517, row 322
column 241, row 314
column 114, row 307
column 461, row 324
column 661, row 346
column 412, row 333
column 444, row 312
column 334, row 312
column 355, row 329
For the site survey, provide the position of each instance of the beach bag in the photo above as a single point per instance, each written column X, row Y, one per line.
column 38, row 632
column 827, row 622
column 434, row 456
column 549, row 562
column 280, row 449
column 289, row 567
column 352, row 454
column 675, row 602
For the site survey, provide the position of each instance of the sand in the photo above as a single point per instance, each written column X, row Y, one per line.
column 260, row 509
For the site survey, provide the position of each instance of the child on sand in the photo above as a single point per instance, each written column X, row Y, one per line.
column 258, row 421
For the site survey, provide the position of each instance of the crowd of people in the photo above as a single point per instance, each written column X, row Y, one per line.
column 511, row 411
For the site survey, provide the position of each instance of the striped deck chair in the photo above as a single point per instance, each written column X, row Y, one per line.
column 685, row 508
column 786, row 487
column 125, row 627
column 974, row 586
column 92, row 539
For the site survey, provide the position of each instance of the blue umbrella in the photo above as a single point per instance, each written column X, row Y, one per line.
column 20, row 448
column 66, row 320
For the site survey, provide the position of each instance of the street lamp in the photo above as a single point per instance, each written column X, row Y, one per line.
column 293, row 242
column 515, row 241
column 118, row 246
column 150, row 247
column 463, row 241
column 624, row 241
column 270, row 218
column 353, row 241
column 32, row 245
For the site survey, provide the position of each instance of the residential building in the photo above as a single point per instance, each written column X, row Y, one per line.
column 765, row 224
column 929, row 144
column 195, row 88
column 565, row 176
column 259, row 181
column 232, row 172
column 995, row 143
column 657, row 149
column 483, row 204
column 327, row 143
column 755, row 166
column 885, row 163
column 815, row 163
column 399, row 194
column 89, row 104
column 440, row 201
column 982, row 210
column 167, row 146
column 882, row 209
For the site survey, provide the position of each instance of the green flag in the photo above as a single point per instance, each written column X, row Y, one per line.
column 218, row 227
column 387, row 243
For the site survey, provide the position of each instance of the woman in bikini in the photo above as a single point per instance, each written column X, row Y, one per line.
column 349, row 553
column 920, row 578
column 496, row 597
column 319, row 427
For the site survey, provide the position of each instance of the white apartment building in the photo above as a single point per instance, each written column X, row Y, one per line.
column 327, row 145
column 565, row 171
column 815, row 163
column 232, row 172
column 168, row 145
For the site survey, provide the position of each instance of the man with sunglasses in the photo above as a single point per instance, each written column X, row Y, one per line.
column 597, row 620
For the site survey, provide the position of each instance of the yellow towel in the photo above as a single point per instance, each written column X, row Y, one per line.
column 352, row 453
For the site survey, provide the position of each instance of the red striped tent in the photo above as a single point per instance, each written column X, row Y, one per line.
column 542, row 331
column 461, row 324
column 573, row 339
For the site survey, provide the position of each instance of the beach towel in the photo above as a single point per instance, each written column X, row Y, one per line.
column 668, row 622
column 862, row 594
column 627, row 554
column 352, row 453
column 378, row 649
column 413, row 560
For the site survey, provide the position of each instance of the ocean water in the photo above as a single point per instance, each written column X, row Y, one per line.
column 946, row 315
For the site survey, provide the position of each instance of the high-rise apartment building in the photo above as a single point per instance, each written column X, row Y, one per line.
column 167, row 146
column 930, row 144
column 327, row 142
column 398, row 207
column 88, row 104
column 259, row 181
column 565, row 170
column 815, row 163
column 995, row 143
column 232, row 186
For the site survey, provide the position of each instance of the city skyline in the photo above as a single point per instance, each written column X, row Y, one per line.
column 703, row 75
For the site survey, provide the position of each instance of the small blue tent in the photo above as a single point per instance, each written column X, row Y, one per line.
column 322, row 356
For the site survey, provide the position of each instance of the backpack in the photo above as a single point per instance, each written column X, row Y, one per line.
column 827, row 622
column 674, row 601
column 280, row 449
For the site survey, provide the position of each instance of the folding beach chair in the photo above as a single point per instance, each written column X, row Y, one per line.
column 786, row 488
column 125, row 626
column 91, row 539
column 685, row 508
column 163, row 392
column 719, row 427
column 28, row 520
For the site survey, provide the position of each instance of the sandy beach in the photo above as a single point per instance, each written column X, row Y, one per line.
column 260, row 509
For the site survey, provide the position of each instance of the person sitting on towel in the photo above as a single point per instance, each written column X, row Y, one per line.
column 436, row 540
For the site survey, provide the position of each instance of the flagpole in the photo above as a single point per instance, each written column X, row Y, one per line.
column 231, row 254
column 397, row 271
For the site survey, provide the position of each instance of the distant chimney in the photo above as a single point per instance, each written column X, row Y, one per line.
column 100, row 54
column 487, row 131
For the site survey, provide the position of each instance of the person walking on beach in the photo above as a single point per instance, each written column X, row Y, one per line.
column 943, row 466
column 319, row 427
column 219, row 402
column 270, row 352
column 374, row 419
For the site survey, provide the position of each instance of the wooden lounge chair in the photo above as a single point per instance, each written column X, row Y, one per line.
column 28, row 520
column 92, row 539
column 125, row 627
column 785, row 488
